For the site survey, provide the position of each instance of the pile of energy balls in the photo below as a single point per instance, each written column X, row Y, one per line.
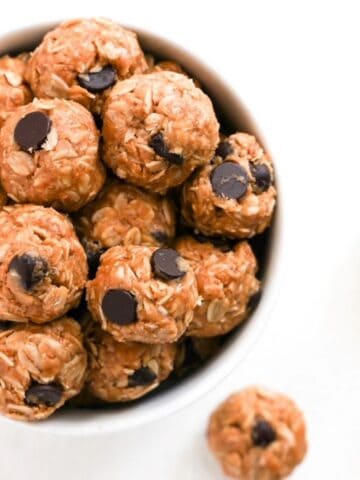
column 124, row 221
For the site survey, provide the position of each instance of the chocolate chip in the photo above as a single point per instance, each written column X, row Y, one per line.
column 96, row 82
column 160, row 236
column 262, row 434
column 30, row 269
column 157, row 143
column 262, row 176
column 119, row 307
column 165, row 264
column 224, row 149
column 254, row 300
column 229, row 180
column 141, row 377
column 31, row 131
column 43, row 394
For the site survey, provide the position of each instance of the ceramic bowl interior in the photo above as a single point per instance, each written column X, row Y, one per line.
column 234, row 116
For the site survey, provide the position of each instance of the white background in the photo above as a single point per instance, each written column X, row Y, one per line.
column 296, row 65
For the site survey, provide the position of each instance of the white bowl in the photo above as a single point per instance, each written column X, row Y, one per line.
column 84, row 422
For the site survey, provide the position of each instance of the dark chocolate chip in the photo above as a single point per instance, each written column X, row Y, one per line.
column 93, row 258
column 229, row 180
column 157, row 143
column 30, row 269
column 160, row 236
column 141, row 377
column 31, row 131
column 262, row 434
column 165, row 264
column 96, row 82
column 262, row 176
column 224, row 149
column 119, row 307
column 43, row 394
column 254, row 300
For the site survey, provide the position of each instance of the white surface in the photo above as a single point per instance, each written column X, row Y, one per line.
column 297, row 69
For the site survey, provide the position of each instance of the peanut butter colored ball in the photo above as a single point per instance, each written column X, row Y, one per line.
column 82, row 59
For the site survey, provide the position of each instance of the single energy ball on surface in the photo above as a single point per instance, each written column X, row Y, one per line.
column 49, row 155
column 125, row 215
column 43, row 266
column 226, row 283
column 81, row 59
column 143, row 294
column 234, row 196
column 158, row 128
column 41, row 367
column 14, row 92
column 120, row 372
column 258, row 434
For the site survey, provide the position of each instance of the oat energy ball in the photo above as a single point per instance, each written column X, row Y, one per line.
column 13, row 90
column 125, row 215
column 49, row 155
column 257, row 434
column 40, row 368
column 81, row 59
column 120, row 372
column 235, row 195
column 143, row 294
column 157, row 129
column 43, row 266
column 226, row 283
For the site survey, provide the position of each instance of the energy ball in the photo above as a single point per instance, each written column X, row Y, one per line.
column 81, row 59
column 13, row 90
column 226, row 283
column 120, row 372
column 49, row 155
column 143, row 294
column 158, row 128
column 41, row 367
column 125, row 215
column 43, row 267
column 234, row 195
column 258, row 434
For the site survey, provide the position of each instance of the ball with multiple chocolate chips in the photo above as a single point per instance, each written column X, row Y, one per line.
column 258, row 434
column 235, row 195
column 14, row 92
column 157, row 129
column 81, row 59
column 49, row 155
column 41, row 367
column 121, row 372
column 126, row 215
column 143, row 294
column 226, row 282
column 43, row 265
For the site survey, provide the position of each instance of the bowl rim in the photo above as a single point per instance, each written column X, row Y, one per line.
column 80, row 422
